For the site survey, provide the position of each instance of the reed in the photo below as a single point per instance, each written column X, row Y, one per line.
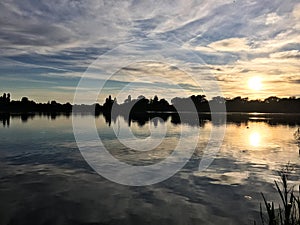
column 288, row 210
column 297, row 138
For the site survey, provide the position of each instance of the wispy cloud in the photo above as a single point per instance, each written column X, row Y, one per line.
column 231, row 45
column 286, row 54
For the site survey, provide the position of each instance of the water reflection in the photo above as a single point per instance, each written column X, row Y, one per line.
column 254, row 139
column 5, row 119
column 189, row 119
column 44, row 179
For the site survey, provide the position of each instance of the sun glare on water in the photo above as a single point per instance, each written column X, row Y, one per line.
column 254, row 139
column 255, row 83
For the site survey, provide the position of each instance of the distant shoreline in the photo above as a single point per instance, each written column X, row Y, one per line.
column 198, row 104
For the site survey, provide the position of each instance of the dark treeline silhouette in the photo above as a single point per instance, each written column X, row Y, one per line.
column 199, row 103
column 141, row 104
column 143, row 110
column 25, row 105
column 193, row 103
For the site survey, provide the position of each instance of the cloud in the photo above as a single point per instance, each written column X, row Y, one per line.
column 230, row 45
column 204, row 49
column 297, row 81
column 34, row 25
column 296, row 11
column 286, row 54
column 272, row 18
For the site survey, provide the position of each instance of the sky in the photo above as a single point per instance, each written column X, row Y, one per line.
column 248, row 48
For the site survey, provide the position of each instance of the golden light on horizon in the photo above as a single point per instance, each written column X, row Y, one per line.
column 254, row 139
column 255, row 83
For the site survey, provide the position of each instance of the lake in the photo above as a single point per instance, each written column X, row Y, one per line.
column 44, row 179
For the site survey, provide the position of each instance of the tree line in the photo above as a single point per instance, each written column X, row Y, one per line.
column 142, row 104
column 200, row 103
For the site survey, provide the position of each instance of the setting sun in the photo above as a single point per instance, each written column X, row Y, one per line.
column 255, row 83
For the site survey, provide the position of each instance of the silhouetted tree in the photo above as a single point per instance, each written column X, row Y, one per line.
column 219, row 100
column 107, row 106
column 272, row 99
column 128, row 100
column 24, row 100
column 8, row 98
column 141, row 97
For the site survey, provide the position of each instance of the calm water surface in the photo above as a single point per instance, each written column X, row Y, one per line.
column 45, row 180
